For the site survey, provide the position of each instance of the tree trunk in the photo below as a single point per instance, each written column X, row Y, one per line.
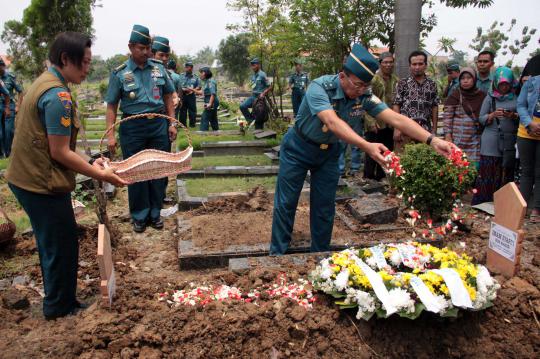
column 407, row 32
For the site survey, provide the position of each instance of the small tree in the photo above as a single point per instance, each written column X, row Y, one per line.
column 233, row 53
column 497, row 39
column 30, row 38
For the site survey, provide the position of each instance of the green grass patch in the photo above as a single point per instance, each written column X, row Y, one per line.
column 198, row 139
column 200, row 187
column 10, row 267
column 256, row 160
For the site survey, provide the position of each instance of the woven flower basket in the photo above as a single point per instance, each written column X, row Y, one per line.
column 7, row 227
column 151, row 164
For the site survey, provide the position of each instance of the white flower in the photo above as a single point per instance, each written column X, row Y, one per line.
column 401, row 299
column 371, row 262
column 395, row 258
column 443, row 303
column 366, row 302
column 342, row 279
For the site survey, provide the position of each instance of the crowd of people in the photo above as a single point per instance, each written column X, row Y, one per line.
column 485, row 113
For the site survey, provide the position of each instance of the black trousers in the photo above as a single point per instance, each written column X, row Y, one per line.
column 372, row 169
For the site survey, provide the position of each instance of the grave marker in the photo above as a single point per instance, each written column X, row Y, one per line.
column 106, row 268
column 506, row 235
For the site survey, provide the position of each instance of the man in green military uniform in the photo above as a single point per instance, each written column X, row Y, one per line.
column 142, row 85
column 161, row 51
column 298, row 82
column 260, row 87
column 331, row 108
column 452, row 69
column 190, row 82
column 177, row 81
column 10, row 83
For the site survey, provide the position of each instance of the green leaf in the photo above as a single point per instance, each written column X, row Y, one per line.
column 418, row 309
column 451, row 313
column 343, row 305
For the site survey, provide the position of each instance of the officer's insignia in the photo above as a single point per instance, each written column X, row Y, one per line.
column 128, row 77
column 65, row 121
column 155, row 72
column 65, row 99
column 120, row 67
column 132, row 95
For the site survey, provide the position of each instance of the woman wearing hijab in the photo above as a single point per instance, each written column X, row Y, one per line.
column 461, row 113
column 528, row 141
column 498, row 143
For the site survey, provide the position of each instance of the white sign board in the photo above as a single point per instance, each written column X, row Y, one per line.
column 503, row 241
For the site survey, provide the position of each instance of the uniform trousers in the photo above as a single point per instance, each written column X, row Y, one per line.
column 145, row 198
column 298, row 156
column 55, row 229
column 189, row 107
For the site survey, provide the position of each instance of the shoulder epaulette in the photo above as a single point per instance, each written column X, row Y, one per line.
column 121, row 67
column 329, row 85
column 157, row 61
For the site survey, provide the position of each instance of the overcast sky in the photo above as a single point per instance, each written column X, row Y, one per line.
column 194, row 24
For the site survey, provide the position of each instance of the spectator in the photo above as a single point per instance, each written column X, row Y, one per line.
column 461, row 114
column 484, row 62
column 383, row 86
column 416, row 97
column 498, row 143
column 452, row 69
column 528, row 108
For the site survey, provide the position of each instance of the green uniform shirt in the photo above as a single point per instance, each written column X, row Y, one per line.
column 210, row 88
column 259, row 82
column 55, row 109
column 325, row 93
column 176, row 81
column 385, row 90
column 11, row 85
column 299, row 81
column 484, row 84
column 3, row 89
column 139, row 90
column 189, row 81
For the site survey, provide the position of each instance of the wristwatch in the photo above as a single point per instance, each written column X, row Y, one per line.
column 91, row 161
column 429, row 139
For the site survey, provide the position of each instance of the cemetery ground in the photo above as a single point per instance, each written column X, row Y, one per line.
column 202, row 244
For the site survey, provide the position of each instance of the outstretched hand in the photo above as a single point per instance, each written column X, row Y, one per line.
column 375, row 151
column 442, row 147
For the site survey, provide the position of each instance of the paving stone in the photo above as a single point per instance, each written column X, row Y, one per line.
column 373, row 209
column 266, row 134
column 20, row 280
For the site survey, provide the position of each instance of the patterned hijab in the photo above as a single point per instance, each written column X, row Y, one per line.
column 503, row 74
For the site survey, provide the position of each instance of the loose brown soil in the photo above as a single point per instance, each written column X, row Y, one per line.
column 138, row 325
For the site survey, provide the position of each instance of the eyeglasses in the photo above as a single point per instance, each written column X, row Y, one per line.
column 358, row 85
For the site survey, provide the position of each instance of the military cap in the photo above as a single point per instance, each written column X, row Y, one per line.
column 361, row 63
column 161, row 43
column 2, row 63
column 298, row 61
column 452, row 66
column 140, row 34
column 189, row 63
column 255, row 60
column 171, row 64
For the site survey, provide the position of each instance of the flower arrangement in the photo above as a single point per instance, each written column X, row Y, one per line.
column 431, row 186
column 243, row 125
column 299, row 293
column 405, row 279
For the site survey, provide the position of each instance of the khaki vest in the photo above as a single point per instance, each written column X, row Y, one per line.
column 31, row 166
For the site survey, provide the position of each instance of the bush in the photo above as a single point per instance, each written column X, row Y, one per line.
column 431, row 183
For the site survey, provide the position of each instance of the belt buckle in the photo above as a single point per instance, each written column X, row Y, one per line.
column 323, row 146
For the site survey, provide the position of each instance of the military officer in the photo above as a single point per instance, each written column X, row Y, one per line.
column 161, row 51
column 44, row 161
column 5, row 112
column 11, row 85
column 171, row 67
column 331, row 108
column 260, row 87
column 190, row 82
column 298, row 82
column 142, row 85
column 211, row 100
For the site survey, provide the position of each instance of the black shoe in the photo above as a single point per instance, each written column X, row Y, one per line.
column 157, row 223
column 78, row 307
column 139, row 227
column 168, row 200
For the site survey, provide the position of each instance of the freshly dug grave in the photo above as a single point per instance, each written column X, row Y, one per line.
column 138, row 325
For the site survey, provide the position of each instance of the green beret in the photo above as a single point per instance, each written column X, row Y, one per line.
column 171, row 64
column 188, row 63
column 161, row 44
column 140, row 34
column 255, row 60
column 452, row 66
column 361, row 63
